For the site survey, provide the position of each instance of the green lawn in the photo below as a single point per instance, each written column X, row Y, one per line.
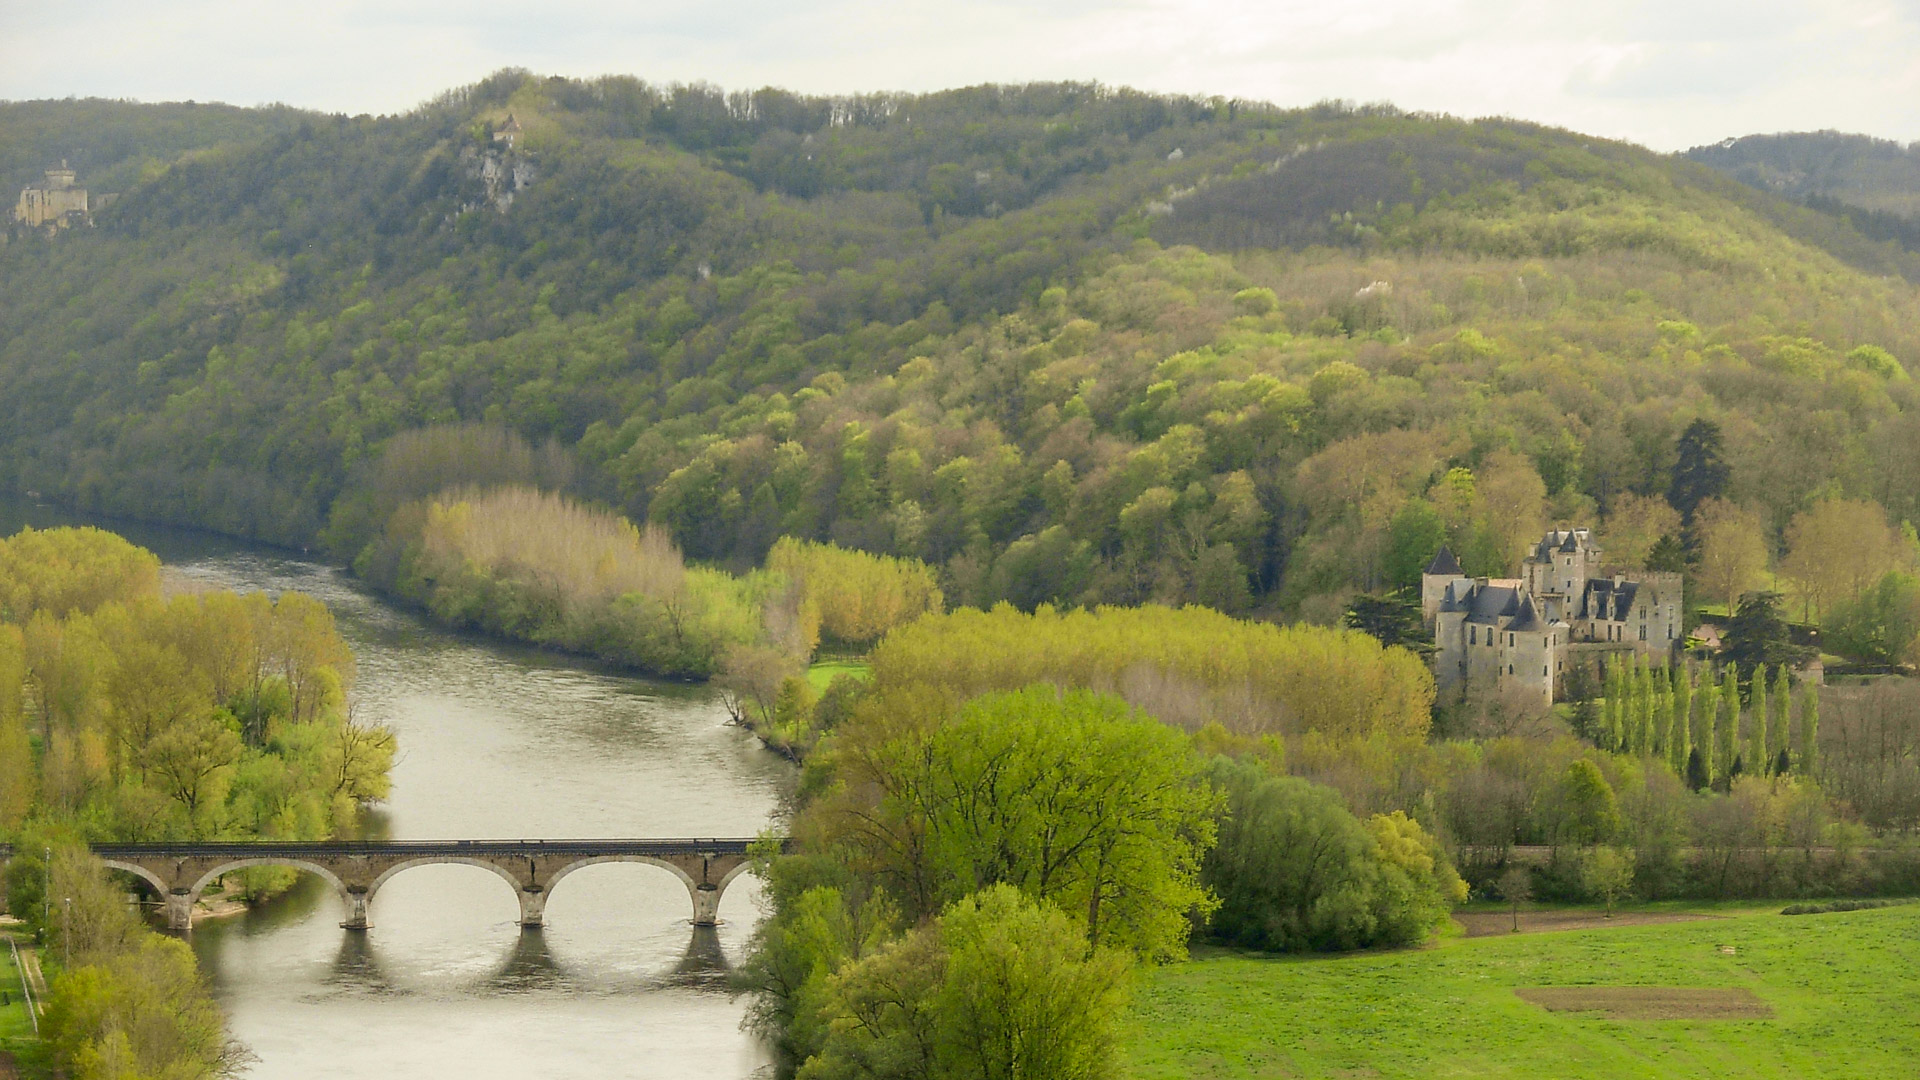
column 15, row 1024
column 1845, row 991
column 822, row 674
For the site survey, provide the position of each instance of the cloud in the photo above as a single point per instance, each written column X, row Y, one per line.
column 1666, row 74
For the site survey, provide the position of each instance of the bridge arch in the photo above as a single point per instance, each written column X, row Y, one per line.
column 704, row 894
column 314, row 868
column 686, row 879
column 160, row 888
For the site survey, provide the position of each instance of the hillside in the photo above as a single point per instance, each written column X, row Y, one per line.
column 1872, row 184
column 1859, row 170
column 1066, row 343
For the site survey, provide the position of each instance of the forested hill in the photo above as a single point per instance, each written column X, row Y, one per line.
column 1067, row 343
column 1859, row 170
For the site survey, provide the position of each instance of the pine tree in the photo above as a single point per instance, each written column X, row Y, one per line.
column 1809, row 729
column 1779, row 737
column 1680, row 734
column 1758, row 716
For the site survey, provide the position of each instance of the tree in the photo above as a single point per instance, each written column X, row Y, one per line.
column 1779, row 728
column 1757, row 637
column 1636, row 525
column 1758, row 717
column 1809, row 733
column 1733, row 550
column 1838, row 548
column 997, row 986
column 1706, row 742
column 1881, row 625
column 1073, row 798
column 1699, row 470
column 1296, row 871
column 1391, row 620
column 1680, row 728
column 1726, row 754
column 1516, row 888
column 1413, row 535
column 1591, row 813
column 1608, row 874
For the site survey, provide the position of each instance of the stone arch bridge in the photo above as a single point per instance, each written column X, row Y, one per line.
column 356, row 869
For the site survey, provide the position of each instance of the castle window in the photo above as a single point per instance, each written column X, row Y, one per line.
column 1543, row 671
column 1473, row 635
column 1509, row 641
column 1509, row 669
column 1643, row 633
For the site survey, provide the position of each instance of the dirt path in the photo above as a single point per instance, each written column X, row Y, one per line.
column 1493, row 923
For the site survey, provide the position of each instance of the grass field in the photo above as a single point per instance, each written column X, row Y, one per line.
column 16, row 1027
column 1843, row 991
column 822, row 674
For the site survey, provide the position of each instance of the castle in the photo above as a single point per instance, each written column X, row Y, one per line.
column 53, row 203
column 1521, row 632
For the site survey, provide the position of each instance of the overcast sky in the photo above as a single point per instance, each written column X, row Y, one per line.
column 1670, row 74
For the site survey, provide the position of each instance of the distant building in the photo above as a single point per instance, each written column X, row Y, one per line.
column 1522, row 631
column 54, row 203
column 508, row 132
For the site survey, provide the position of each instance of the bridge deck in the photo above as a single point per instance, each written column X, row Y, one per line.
column 246, row 849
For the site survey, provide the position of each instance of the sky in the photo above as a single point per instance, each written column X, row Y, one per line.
column 1668, row 75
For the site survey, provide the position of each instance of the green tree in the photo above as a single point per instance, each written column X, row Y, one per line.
column 1725, row 751
column 1809, row 733
column 1699, row 468
column 1591, row 813
column 1757, row 636
column 1413, row 535
column 1759, row 715
column 1607, row 873
column 1073, row 797
column 997, row 986
column 1394, row 619
column 1294, row 870
column 1680, row 727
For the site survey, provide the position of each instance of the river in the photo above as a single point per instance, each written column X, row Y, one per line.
column 496, row 741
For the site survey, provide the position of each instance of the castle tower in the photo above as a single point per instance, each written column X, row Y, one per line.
column 1442, row 572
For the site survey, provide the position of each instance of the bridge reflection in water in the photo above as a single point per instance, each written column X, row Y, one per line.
column 357, row 869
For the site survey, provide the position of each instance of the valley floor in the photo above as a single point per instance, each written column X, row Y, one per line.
column 1748, row 994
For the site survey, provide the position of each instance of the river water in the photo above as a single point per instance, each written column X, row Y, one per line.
column 497, row 742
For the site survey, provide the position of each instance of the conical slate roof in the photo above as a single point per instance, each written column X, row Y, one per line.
column 1444, row 563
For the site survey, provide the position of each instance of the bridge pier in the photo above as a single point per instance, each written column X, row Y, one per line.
column 179, row 909
column 356, row 900
column 706, row 904
column 533, row 907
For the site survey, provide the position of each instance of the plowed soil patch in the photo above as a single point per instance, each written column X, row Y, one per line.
column 1650, row 1002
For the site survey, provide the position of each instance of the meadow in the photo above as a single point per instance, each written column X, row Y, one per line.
column 1842, row 990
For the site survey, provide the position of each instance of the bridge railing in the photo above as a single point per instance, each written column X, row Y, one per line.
column 426, row 848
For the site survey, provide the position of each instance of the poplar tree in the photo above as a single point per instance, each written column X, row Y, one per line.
column 1729, row 724
column 1809, row 729
column 1642, row 707
column 1757, row 716
column 1707, row 738
column 1662, row 711
column 1680, row 733
column 1779, row 735
column 1616, row 706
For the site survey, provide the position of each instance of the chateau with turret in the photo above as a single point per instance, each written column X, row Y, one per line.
column 1524, row 631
